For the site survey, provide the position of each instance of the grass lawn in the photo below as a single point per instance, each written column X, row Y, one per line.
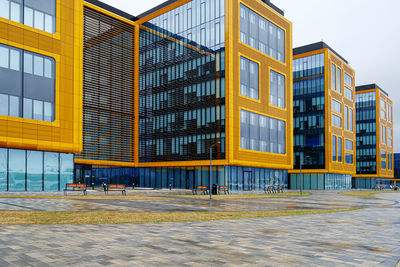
column 367, row 194
column 110, row 217
column 245, row 196
column 87, row 197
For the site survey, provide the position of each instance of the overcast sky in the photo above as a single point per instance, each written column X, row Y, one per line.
column 365, row 32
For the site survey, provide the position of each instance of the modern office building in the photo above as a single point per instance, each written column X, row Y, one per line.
column 40, row 93
column 324, row 119
column 374, row 123
column 90, row 90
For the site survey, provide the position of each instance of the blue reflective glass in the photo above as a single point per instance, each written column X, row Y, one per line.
column 34, row 170
column 17, row 170
column 66, row 169
column 3, row 169
column 51, row 171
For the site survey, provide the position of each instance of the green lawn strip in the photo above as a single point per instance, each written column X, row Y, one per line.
column 110, row 217
column 366, row 194
column 86, row 197
column 244, row 196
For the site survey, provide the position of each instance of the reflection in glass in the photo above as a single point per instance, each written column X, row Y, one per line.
column 51, row 171
column 34, row 170
column 16, row 169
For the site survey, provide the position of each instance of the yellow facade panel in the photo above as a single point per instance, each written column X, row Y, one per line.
column 51, row 136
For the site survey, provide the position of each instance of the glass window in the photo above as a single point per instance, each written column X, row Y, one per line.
column 28, row 16
column 28, row 108
column 5, row 9
column 339, row 80
column 34, row 170
column 3, row 166
column 336, row 121
column 333, row 77
column 349, row 145
column 28, row 63
column 277, row 89
column 339, row 149
column 346, row 117
column 66, row 169
column 334, row 157
column 261, row 34
column 51, row 171
column 4, row 56
column 351, row 125
column 17, row 170
column 348, row 92
column 349, row 158
column 38, row 65
column 15, row 58
column 261, row 133
column 15, row 12
column 336, row 106
column 249, row 78
column 4, row 104
column 21, row 89
column 348, row 79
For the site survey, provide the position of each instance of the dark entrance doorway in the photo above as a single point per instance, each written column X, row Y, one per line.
column 190, row 179
column 248, row 181
column 83, row 174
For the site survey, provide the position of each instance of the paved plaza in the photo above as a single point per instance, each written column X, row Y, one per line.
column 365, row 237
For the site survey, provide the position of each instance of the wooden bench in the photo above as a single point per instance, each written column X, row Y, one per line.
column 280, row 189
column 75, row 187
column 116, row 187
column 202, row 189
column 270, row 189
column 224, row 189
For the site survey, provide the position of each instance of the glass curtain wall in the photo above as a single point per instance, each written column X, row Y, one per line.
column 26, row 170
column 309, row 112
column 366, row 133
column 182, row 83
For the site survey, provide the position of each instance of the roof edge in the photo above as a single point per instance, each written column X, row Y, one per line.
column 316, row 46
column 112, row 9
column 370, row 87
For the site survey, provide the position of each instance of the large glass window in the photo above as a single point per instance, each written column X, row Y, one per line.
column 261, row 34
column 16, row 170
column 351, row 120
column 349, row 158
column 39, row 14
column 349, row 145
column 346, row 118
column 348, row 93
column 262, row 133
column 51, row 171
column 3, row 168
column 336, row 106
column 340, row 149
column 277, row 89
column 66, row 169
column 348, row 79
column 336, row 121
column 34, row 170
column 249, row 83
column 28, row 93
column 333, row 77
column 334, row 146
column 339, row 80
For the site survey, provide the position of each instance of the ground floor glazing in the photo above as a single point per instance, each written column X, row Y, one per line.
column 371, row 182
column 28, row 170
column 237, row 178
column 320, row 181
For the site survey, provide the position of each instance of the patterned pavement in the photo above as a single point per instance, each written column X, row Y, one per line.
column 366, row 237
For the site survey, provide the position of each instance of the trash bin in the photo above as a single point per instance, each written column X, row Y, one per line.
column 215, row 189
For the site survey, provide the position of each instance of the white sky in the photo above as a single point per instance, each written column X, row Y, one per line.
column 365, row 32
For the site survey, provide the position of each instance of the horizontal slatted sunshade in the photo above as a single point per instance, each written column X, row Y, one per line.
column 108, row 88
